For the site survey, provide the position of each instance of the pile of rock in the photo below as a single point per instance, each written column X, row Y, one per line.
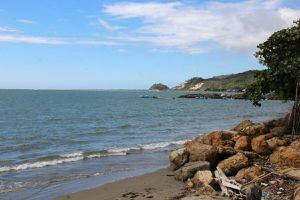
column 249, row 153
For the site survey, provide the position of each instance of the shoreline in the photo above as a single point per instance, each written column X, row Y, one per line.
column 249, row 153
column 157, row 185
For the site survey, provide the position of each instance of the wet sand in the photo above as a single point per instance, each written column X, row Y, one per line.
column 158, row 185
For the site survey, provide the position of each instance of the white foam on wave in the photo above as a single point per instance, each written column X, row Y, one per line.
column 159, row 145
column 40, row 164
column 77, row 156
column 72, row 155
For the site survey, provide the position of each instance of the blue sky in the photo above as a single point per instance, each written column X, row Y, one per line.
column 100, row 44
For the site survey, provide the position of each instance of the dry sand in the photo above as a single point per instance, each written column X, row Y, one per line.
column 159, row 185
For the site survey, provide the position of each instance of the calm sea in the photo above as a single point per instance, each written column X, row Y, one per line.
column 56, row 142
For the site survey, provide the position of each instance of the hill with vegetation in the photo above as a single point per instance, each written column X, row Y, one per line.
column 232, row 82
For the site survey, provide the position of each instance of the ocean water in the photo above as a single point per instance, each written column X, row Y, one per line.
column 56, row 142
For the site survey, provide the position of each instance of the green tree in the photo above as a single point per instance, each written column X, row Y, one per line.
column 281, row 56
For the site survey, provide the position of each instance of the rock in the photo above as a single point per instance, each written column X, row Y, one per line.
column 216, row 138
column 295, row 144
column 243, row 125
column 249, row 154
column 158, row 87
column 178, row 158
column 260, row 145
column 221, row 138
column 271, row 123
column 225, row 151
column 275, row 142
column 293, row 172
column 279, row 130
column 243, row 143
column 249, row 173
column 254, row 130
column 205, row 177
column 286, row 156
column 202, row 139
column 202, row 152
column 233, row 164
column 297, row 193
column 189, row 170
column 253, row 192
column 189, row 183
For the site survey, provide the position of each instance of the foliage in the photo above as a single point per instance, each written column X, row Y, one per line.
column 281, row 55
column 218, row 83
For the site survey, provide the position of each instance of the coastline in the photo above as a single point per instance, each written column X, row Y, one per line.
column 198, row 170
column 156, row 185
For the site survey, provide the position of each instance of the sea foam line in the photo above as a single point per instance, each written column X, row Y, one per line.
column 77, row 156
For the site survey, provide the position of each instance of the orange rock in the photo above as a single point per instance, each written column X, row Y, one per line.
column 296, row 144
column 233, row 164
column 243, row 125
column 275, row 142
column 254, row 130
column 202, row 152
column 249, row 173
column 243, row 143
column 286, row 156
column 249, row 154
column 222, row 138
column 278, row 130
column 260, row 145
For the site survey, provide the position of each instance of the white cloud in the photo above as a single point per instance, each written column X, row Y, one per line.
column 107, row 26
column 196, row 29
column 10, row 30
column 52, row 41
column 26, row 21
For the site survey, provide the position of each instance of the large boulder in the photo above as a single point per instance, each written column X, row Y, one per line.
column 259, row 145
column 243, row 125
column 189, row 169
column 279, row 130
column 178, row 158
column 225, row 151
column 249, row 154
column 203, row 177
column 254, row 130
column 202, row 152
column 222, row 138
column 296, row 144
column 286, row 156
column 233, row 164
column 249, row 173
column 243, row 143
column 297, row 193
column 275, row 142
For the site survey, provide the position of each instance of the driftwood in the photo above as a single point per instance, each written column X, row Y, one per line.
column 229, row 187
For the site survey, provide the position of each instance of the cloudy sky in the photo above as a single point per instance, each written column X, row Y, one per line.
column 101, row 44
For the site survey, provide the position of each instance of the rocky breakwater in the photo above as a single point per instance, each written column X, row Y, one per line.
column 251, row 161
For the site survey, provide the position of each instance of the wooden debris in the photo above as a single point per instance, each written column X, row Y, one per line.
column 229, row 187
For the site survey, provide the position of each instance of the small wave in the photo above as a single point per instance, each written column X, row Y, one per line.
column 154, row 146
column 77, row 156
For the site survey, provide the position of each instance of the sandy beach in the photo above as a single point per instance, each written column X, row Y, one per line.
column 158, row 185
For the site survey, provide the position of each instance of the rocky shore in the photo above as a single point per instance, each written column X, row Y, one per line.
column 251, row 161
column 230, row 95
